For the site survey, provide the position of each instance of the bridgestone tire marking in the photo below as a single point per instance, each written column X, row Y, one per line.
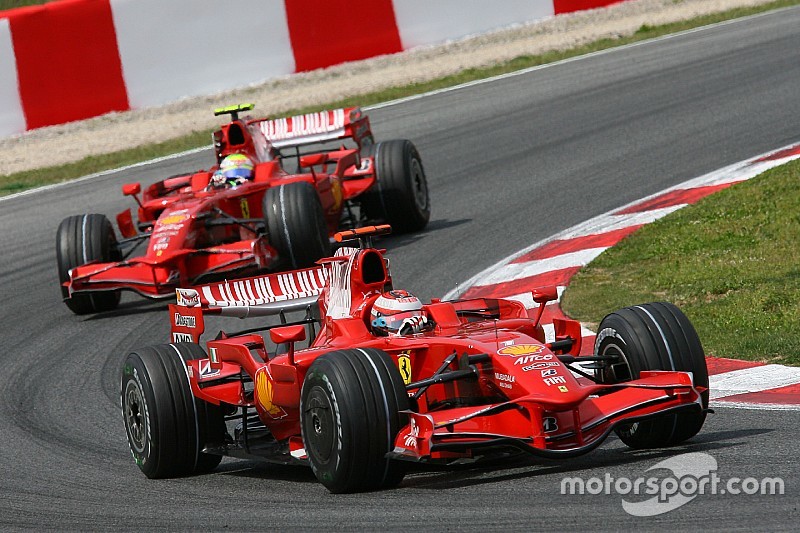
column 286, row 226
column 377, row 179
column 386, row 410
column 85, row 257
column 671, row 362
column 663, row 338
column 194, row 407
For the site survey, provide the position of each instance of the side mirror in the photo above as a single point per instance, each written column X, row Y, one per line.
column 131, row 189
column 290, row 334
column 307, row 161
column 541, row 296
column 283, row 334
column 545, row 294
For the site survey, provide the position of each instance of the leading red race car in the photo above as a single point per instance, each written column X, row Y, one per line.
column 386, row 380
column 276, row 196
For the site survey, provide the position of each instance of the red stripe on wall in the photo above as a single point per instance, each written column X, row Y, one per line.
column 329, row 32
column 67, row 62
column 568, row 6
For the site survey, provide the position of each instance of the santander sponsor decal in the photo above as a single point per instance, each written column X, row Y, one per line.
column 185, row 321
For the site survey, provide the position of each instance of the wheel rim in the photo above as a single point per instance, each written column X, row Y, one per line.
column 319, row 427
column 618, row 372
column 419, row 184
column 135, row 416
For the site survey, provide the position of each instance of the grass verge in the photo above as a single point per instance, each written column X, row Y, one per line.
column 11, row 4
column 12, row 183
column 731, row 262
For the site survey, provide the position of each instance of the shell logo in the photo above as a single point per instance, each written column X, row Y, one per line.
column 264, row 394
column 521, row 349
column 173, row 219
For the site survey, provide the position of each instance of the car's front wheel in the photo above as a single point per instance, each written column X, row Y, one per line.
column 82, row 239
column 167, row 426
column 654, row 336
column 351, row 405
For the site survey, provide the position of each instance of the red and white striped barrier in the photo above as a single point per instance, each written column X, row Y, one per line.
column 555, row 260
column 75, row 59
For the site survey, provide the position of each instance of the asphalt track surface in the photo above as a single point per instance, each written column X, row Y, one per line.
column 509, row 163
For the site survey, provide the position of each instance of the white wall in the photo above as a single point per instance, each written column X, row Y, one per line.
column 430, row 21
column 171, row 49
column 12, row 119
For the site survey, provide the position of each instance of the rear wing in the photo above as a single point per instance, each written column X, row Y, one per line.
column 349, row 123
column 266, row 295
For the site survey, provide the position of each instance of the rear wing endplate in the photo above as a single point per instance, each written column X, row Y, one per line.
column 265, row 295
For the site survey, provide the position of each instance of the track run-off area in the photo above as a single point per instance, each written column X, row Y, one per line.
column 510, row 162
column 553, row 262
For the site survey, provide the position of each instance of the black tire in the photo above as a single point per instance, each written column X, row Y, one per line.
column 79, row 240
column 400, row 194
column 350, row 415
column 167, row 426
column 296, row 223
column 654, row 336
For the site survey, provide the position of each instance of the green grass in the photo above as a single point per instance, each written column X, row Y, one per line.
column 16, row 182
column 731, row 262
column 11, row 4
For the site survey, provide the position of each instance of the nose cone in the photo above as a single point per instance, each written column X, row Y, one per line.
column 532, row 369
column 170, row 231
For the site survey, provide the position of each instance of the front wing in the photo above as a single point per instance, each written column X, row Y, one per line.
column 159, row 277
column 544, row 426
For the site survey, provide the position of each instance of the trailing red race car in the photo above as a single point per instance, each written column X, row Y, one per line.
column 271, row 203
column 386, row 379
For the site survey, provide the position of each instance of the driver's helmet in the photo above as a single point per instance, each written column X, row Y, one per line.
column 234, row 170
column 397, row 312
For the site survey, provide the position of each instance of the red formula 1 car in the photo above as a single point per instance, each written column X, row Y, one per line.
column 474, row 378
column 294, row 197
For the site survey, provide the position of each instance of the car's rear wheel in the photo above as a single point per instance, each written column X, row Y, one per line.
column 81, row 239
column 654, row 336
column 350, row 411
column 400, row 194
column 296, row 224
column 167, row 426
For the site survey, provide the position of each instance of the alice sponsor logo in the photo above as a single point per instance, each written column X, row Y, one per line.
column 187, row 297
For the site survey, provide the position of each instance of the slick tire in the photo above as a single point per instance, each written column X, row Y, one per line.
column 350, row 415
column 400, row 194
column 79, row 240
column 654, row 336
column 167, row 426
column 296, row 224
